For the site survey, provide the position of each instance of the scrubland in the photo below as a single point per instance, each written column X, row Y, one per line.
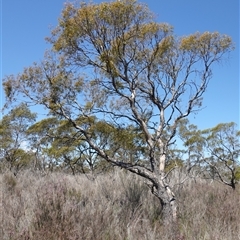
column 112, row 206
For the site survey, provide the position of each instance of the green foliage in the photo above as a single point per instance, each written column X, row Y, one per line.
column 212, row 43
column 59, row 142
column 118, row 84
column 173, row 164
column 13, row 138
column 237, row 174
column 224, row 146
column 216, row 150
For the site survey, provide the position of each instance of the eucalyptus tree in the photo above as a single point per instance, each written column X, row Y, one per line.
column 223, row 146
column 14, row 149
column 58, row 144
column 40, row 137
column 114, row 61
column 194, row 148
column 213, row 153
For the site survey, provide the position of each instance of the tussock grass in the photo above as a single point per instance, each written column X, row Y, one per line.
column 114, row 206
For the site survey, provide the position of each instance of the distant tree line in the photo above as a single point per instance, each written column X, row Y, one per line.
column 118, row 87
column 53, row 144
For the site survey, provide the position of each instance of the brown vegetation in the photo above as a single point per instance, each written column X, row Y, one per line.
column 113, row 206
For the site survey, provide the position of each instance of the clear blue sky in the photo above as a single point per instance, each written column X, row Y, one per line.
column 25, row 24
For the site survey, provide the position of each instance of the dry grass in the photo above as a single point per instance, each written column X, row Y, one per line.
column 114, row 206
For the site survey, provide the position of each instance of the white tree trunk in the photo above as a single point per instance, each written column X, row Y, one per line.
column 168, row 203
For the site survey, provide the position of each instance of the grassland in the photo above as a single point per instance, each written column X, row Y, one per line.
column 113, row 206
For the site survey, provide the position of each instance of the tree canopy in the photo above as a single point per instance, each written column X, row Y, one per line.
column 112, row 62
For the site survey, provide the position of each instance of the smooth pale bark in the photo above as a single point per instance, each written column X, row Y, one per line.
column 169, row 205
column 130, row 69
column 168, row 202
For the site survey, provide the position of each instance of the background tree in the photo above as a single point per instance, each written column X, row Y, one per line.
column 222, row 144
column 40, row 138
column 212, row 153
column 14, row 148
column 194, row 144
column 114, row 62
column 69, row 149
column 57, row 144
